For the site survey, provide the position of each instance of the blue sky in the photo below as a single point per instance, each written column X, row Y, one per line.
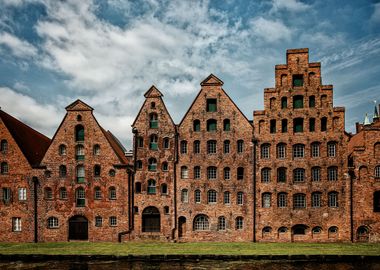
column 108, row 53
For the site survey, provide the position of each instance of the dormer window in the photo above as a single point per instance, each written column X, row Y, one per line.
column 153, row 120
column 79, row 117
column 297, row 80
column 79, row 133
column 211, row 125
column 211, row 105
column 153, row 105
column 4, row 146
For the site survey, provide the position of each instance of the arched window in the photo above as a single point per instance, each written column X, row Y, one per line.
column 211, row 173
column 211, row 147
column 140, row 142
column 323, row 123
column 282, row 230
column 80, row 174
column 63, row 193
column 165, row 143
column 298, row 125
column 201, row 223
column 284, row 125
column 152, row 164
column 97, row 193
column 139, row 164
column 333, row 199
column 227, row 197
column 316, row 199
column 226, row 125
column 153, row 139
column 266, row 200
column 333, row 232
column 311, row 101
column 298, row 102
column 221, row 223
column 376, row 201
column 284, row 102
column 153, row 120
column 96, row 150
column 265, row 151
column 240, row 173
column 324, row 101
column 79, row 152
column 112, row 172
column 298, row 151
column 272, row 103
column 197, row 125
column 377, row 172
column 211, row 196
column 331, row 149
column 226, row 146
column 197, row 147
column 52, row 222
column 62, row 150
column 362, row 234
column 79, row 133
column 184, row 196
column 282, row 200
column 299, row 229
column 80, row 197
column 197, row 172
column 151, row 186
column 98, row 221
column 266, row 175
column 184, row 172
column 284, row 79
column 272, row 126
column 79, row 117
column 240, row 198
column 261, row 126
column 112, row 193
column 281, row 175
column 197, row 196
column 153, row 105
column 211, row 125
column 281, row 150
column 164, row 189
column 240, row 146
column 183, row 147
column 312, row 124
column 4, row 146
column 316, row 230
column 165, row 166
column 62, row 171
column 298, row 175
column 166, row 210
column 376, row 150
column 267, row 230
column 48, row 193
column 332, row 173
column 97, row 170
column 299, row 201
column 227, row 173
column 137, row 187
column 315, row 146
column 239, row 223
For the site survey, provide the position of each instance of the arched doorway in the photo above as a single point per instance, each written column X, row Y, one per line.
column 298, row 232
column 78, row 228
column 362, row 234
column 181, row 226
column 151, row 219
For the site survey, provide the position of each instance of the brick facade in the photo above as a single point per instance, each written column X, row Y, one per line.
column 291, row 174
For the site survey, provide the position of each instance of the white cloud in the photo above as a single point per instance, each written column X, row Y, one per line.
column 375, row 17
column 270, row 30
column 19, row 48
column 291, row 5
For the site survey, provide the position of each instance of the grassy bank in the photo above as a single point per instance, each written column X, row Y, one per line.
column 144, row 248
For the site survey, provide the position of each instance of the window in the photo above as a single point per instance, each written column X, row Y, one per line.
column 166, row 210
column 272, row 103
column 97, row 170
column 16, row 224
column 226, row 125
column 4, row 146
column 265, row 151
column 153, row 120
column 299, row 201
column 333, row 199
column 298, row 80
column 183, row 147
column 112, row 173
column 52, row 222
column 272, row 128
column 239, row 223
column 281, row 150
column 211, row 173
column 377, row 172
column 316, row 230
column 211, row 125
column 62, row 150
column 197, row 125
column 312, row 124
column 315, row 174
column 184, row 196
column 164, row 189
column 333, row 231
column 62, row 171
column 316, row 199
column 227, row 173
column 298, row 151
column 197, row 147
column 165, row 143
column 240, row 173
column 211, row 196
column 79, row 133
column 297, row 102
column 240, row 146
column 184, row 172
column 79, row 117
column 97, row 193
column 332, row 173
column 282, row 200
column 197, row 196
column 22, row 194
column 311, row 101
column 267, row 230
column 48, row 193
column 137, row 187
column 266, row 200
column 211, row 105
column 165, row 166
column 197, row 172
column 139, row 164
column 7, row 195
column 226, row 147
column 201, row 223
column 323, row 123
column 331, row 149
column 298, row 125
column 63, row 193
column 281, row 175
column 151, row 186
column 152, row 164
column 284, row 102
column 284, row 125
column 299, row 230
column 221, row 223
column 153, row 142
column 98, row 221
column 80, row 197
column 211, row 147
column 96, row 150
column 266, row 175
column 315, row 149
column 153, row 105
column 79, row 151
column 298, row 175
column 4, row 169
column 240, row 198
column 282, row 230
column 227, row 197
column 376, row 201
column 113, row 221
column 112, row 193
column 80, row 174
column 140, row 142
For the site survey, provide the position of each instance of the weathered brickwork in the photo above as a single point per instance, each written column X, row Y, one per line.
column 291, row 174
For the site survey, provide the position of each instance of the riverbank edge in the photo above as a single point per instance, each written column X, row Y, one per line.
column 188, row 258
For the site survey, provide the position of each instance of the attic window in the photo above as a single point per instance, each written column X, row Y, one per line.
column 211, row 105
column 153, row 105
column 297, row 80
column 79, row 117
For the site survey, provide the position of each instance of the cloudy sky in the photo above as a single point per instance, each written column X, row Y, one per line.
column 108, row 53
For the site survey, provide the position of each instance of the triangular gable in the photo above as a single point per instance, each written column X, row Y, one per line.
column 212, row 80
column 153, row 92
column 79, row 105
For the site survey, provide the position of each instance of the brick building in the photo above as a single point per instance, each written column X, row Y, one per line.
column 291, row 174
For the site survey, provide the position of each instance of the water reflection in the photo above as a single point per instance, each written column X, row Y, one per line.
column 251, row 265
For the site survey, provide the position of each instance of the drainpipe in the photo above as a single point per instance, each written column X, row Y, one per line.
column 135, row 134
column 35, row 185
column 254, row 140
column 175, row 184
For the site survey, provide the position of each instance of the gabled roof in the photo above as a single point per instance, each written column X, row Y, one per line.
column 116, row 146
column 79, row 105
column 212, row 80
column 153, row 92
column 32, row 143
